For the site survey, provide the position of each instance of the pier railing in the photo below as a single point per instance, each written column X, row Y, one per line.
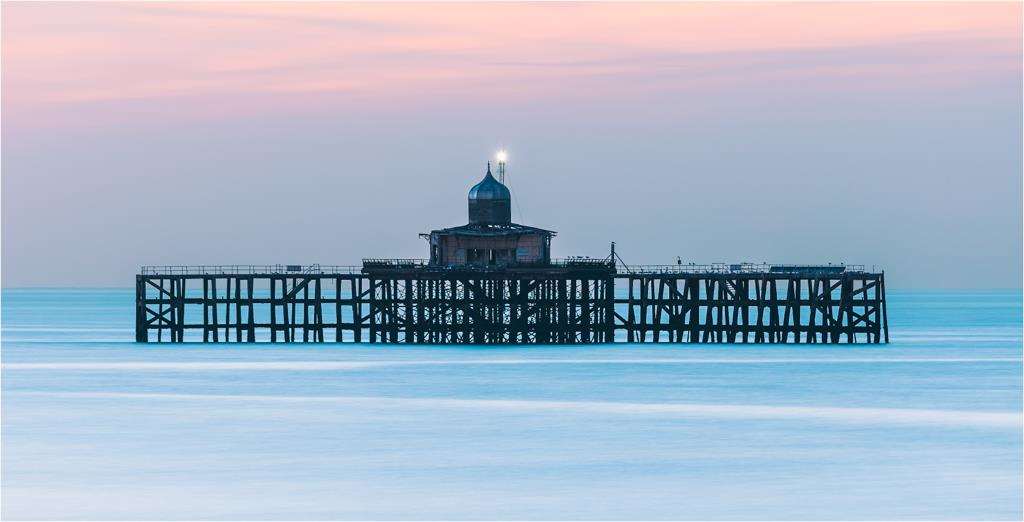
column 743, row 268
column 247, row 269
column 378, row 262
column 578, row 262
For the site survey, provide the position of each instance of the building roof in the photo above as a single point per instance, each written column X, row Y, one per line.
column 490, row 202
column 506, row 229
column 489, row 188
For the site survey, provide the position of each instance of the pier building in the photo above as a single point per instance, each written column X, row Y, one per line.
column 490, row 238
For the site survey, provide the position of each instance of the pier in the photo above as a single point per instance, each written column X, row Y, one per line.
column 492, row 281
column 565, row 302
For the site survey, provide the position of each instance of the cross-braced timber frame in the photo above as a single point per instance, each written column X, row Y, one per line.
column 540, row 305
column 754, row 308
column 491, row 308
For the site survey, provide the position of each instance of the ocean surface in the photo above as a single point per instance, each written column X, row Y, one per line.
column 97, row 427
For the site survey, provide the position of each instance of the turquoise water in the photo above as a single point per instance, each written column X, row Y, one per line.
column 96, row 427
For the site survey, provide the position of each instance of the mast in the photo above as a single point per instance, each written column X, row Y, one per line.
column 502, row 158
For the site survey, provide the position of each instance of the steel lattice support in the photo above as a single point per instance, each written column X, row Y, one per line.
column 753, row 308
column 490, row 309
column 567, row 306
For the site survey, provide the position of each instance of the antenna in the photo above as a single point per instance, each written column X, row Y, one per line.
column 502, row 158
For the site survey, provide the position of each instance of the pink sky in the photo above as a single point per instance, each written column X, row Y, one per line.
column 226, row 59
column 233, row 133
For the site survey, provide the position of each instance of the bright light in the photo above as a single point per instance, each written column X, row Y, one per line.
column 501, row 156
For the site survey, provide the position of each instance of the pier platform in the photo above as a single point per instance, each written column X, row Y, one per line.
column 569, row 301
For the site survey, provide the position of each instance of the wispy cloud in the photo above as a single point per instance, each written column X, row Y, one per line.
column 58, row 57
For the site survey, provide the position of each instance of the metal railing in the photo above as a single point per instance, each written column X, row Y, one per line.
column 581, row 262
column 247, row 269
column 743, row 268
column 395, row 262
column 568, row 262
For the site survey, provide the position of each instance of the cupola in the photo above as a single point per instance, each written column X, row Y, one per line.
column 490, row 202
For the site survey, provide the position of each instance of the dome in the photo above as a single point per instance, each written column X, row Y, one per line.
column 490, row 202
column 489, row 188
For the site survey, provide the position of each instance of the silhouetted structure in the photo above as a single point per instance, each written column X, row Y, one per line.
column 490, row 239
column 494, row 281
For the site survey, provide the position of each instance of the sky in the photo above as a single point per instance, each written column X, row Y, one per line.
column 883, row 134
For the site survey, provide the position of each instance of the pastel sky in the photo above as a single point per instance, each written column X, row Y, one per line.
column 189, row 133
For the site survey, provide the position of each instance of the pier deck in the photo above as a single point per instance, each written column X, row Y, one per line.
column 564, row 302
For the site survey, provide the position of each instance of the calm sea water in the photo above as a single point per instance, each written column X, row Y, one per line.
column 96, row 427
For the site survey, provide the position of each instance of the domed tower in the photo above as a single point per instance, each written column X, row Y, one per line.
column 490, row 239
column 490, row 202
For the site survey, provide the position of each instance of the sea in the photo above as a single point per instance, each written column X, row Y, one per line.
column 97, row 427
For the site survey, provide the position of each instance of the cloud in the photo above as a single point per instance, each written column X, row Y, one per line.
column 408, row 54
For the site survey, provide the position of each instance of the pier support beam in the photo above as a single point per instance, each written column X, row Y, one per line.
column 440, row 306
